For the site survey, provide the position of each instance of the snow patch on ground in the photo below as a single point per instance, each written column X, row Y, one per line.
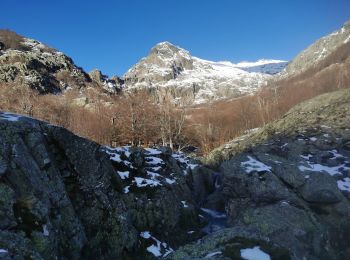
column 156, row 168
column 337, row 170
column 155, row 250
column 154, row 160
column 45, row 231
column 126, row 189
column 320, row 168
column 184, row 160
column 124, row 175
column 315, row 167
column 254, row 253
column 170, row 181
column 213, row 254
column 344, row 184
column 145, row 234
column 116, row 153
column 9, row 116
column 306, row 157
column 153, row 174
column 152, row 151
column 254, row 165
column 184, row 204
column 114, row 157
column 336, row 154
column 158, row 248
column 142, row 182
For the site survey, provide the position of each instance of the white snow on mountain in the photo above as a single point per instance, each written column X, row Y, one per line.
column 169, row 66
column 263, row 66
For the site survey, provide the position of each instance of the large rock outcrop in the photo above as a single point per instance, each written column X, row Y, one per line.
column 29, row 62
column 65, row 197
column 286, row 188
column 112, row 85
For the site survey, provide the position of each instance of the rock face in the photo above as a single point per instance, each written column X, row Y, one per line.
column 286, row 188
column 319, row 50
column 112, row 85
column 169, row 68
column 31, row 63
column 66, row 197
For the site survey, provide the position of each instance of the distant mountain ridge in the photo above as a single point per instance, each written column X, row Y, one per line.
column 170, row 67
column 31, row 63
column 318, row 50
column 167, row 69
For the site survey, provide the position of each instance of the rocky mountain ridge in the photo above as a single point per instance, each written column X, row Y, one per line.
column 318, row 50
column 31, row 63
column 169, row 67
column 111, row 85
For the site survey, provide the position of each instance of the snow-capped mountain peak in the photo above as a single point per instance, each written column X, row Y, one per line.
column 169, row 52
column 172, row 67
column 166, row 48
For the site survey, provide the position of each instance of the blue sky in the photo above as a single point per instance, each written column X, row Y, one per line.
column 114, row 35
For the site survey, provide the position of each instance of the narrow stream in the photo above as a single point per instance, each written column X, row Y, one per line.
column 216, row 220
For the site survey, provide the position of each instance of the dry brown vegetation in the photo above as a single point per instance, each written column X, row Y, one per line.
column 12, row 40
column 222, row 121
column 132, row 118
column 140, row 119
